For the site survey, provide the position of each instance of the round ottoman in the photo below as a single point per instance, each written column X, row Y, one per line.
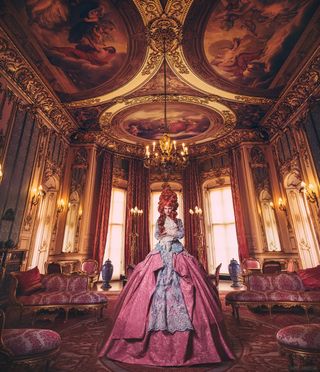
column 301, row 344
column 29, row 346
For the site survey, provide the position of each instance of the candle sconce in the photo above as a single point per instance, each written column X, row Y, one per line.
column 80, row 213
column 309, row 192
column 282, row 205
column 1, row 173
column 38, row 193
column 197, row 213
column 61, row 206
column 135, row 213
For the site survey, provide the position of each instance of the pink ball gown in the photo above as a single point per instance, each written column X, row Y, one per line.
column 169, row 313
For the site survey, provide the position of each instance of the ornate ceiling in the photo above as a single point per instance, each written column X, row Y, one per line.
column 98, row 67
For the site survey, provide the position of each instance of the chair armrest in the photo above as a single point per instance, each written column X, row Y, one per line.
column 13, row 285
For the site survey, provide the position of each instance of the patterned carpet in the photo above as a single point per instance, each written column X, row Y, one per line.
column 253, row 342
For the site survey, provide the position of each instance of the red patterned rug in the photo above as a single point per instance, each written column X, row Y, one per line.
column 253, row 340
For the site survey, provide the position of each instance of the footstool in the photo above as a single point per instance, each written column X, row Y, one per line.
column 301, row 344
column 26, row 347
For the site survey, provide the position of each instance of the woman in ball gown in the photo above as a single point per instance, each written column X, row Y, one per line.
column 169, row 313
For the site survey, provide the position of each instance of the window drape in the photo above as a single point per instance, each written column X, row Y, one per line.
column 138, row 194
column 102, row 221
column 238, row 215
column 193, row 225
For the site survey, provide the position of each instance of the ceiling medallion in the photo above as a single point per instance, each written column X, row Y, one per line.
column 166, row 156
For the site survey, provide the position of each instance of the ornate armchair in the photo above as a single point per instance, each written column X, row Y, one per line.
column 26, row 347
column 90, row 267
column 249, row 266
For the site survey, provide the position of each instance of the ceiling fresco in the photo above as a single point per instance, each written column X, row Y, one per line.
column 85, row 41
column 184, row 122
column 246, row 42
column 228, row 63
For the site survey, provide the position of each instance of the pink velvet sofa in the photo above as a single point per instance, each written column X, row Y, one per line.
column 284, row 289
column 59, row 291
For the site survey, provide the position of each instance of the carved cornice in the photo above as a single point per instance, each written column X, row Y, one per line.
column 18, row 70
column 215, row 174
column 157, row 177
column 291, row 166
column 297, row 93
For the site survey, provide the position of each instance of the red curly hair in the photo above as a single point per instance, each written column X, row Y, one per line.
column 167, row 198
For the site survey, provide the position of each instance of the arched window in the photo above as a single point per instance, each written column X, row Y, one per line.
column 116, row 232
column 269, row 222
column 221, row 230
column 302, row 222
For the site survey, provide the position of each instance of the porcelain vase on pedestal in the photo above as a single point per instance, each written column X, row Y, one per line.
column 235, row 273
column 107, row 271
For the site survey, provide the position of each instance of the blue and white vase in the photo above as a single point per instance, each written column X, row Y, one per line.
column 235, row 273
column 107, row 271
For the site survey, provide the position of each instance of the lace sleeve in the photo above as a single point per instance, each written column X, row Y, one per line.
column 180, row 232
column 157, row 233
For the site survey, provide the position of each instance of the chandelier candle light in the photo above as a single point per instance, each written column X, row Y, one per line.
column 165, row 155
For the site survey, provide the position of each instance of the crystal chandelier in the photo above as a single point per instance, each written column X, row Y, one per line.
column 165, row 155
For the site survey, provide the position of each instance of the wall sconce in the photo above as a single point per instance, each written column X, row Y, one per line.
column 197, row 211
column 80, row 213
column 37, row 195
column 61, row 205
column 1, row 173
column 136, row 212
column 281, row 205
column 309, row 192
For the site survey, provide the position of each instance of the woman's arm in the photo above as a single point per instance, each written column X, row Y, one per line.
column 180, row 231
column 157, row 234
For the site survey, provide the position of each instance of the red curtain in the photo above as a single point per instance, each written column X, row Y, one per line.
column 102, row 222
column 138, row 194
column 193, row 225
column 241, row 236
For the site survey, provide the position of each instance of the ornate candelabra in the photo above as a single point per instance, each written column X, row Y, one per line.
column 135, row 213
column 197, row 213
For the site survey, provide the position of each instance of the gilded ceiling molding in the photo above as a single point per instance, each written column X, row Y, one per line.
column 17, row 69
column 166, row 26
column 228, row 116
column 304, row 86
column 178, row 9
column 149, row 9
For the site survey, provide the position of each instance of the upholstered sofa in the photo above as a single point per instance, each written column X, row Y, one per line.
column 57, row 291
column 282, row 289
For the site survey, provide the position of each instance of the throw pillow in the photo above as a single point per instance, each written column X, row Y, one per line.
column 29, row 281
column 310, row 277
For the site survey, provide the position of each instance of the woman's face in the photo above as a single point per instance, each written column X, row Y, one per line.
column 167, row 210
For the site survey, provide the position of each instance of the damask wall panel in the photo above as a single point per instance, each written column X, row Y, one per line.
column 18, row 168
column 312, row 128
